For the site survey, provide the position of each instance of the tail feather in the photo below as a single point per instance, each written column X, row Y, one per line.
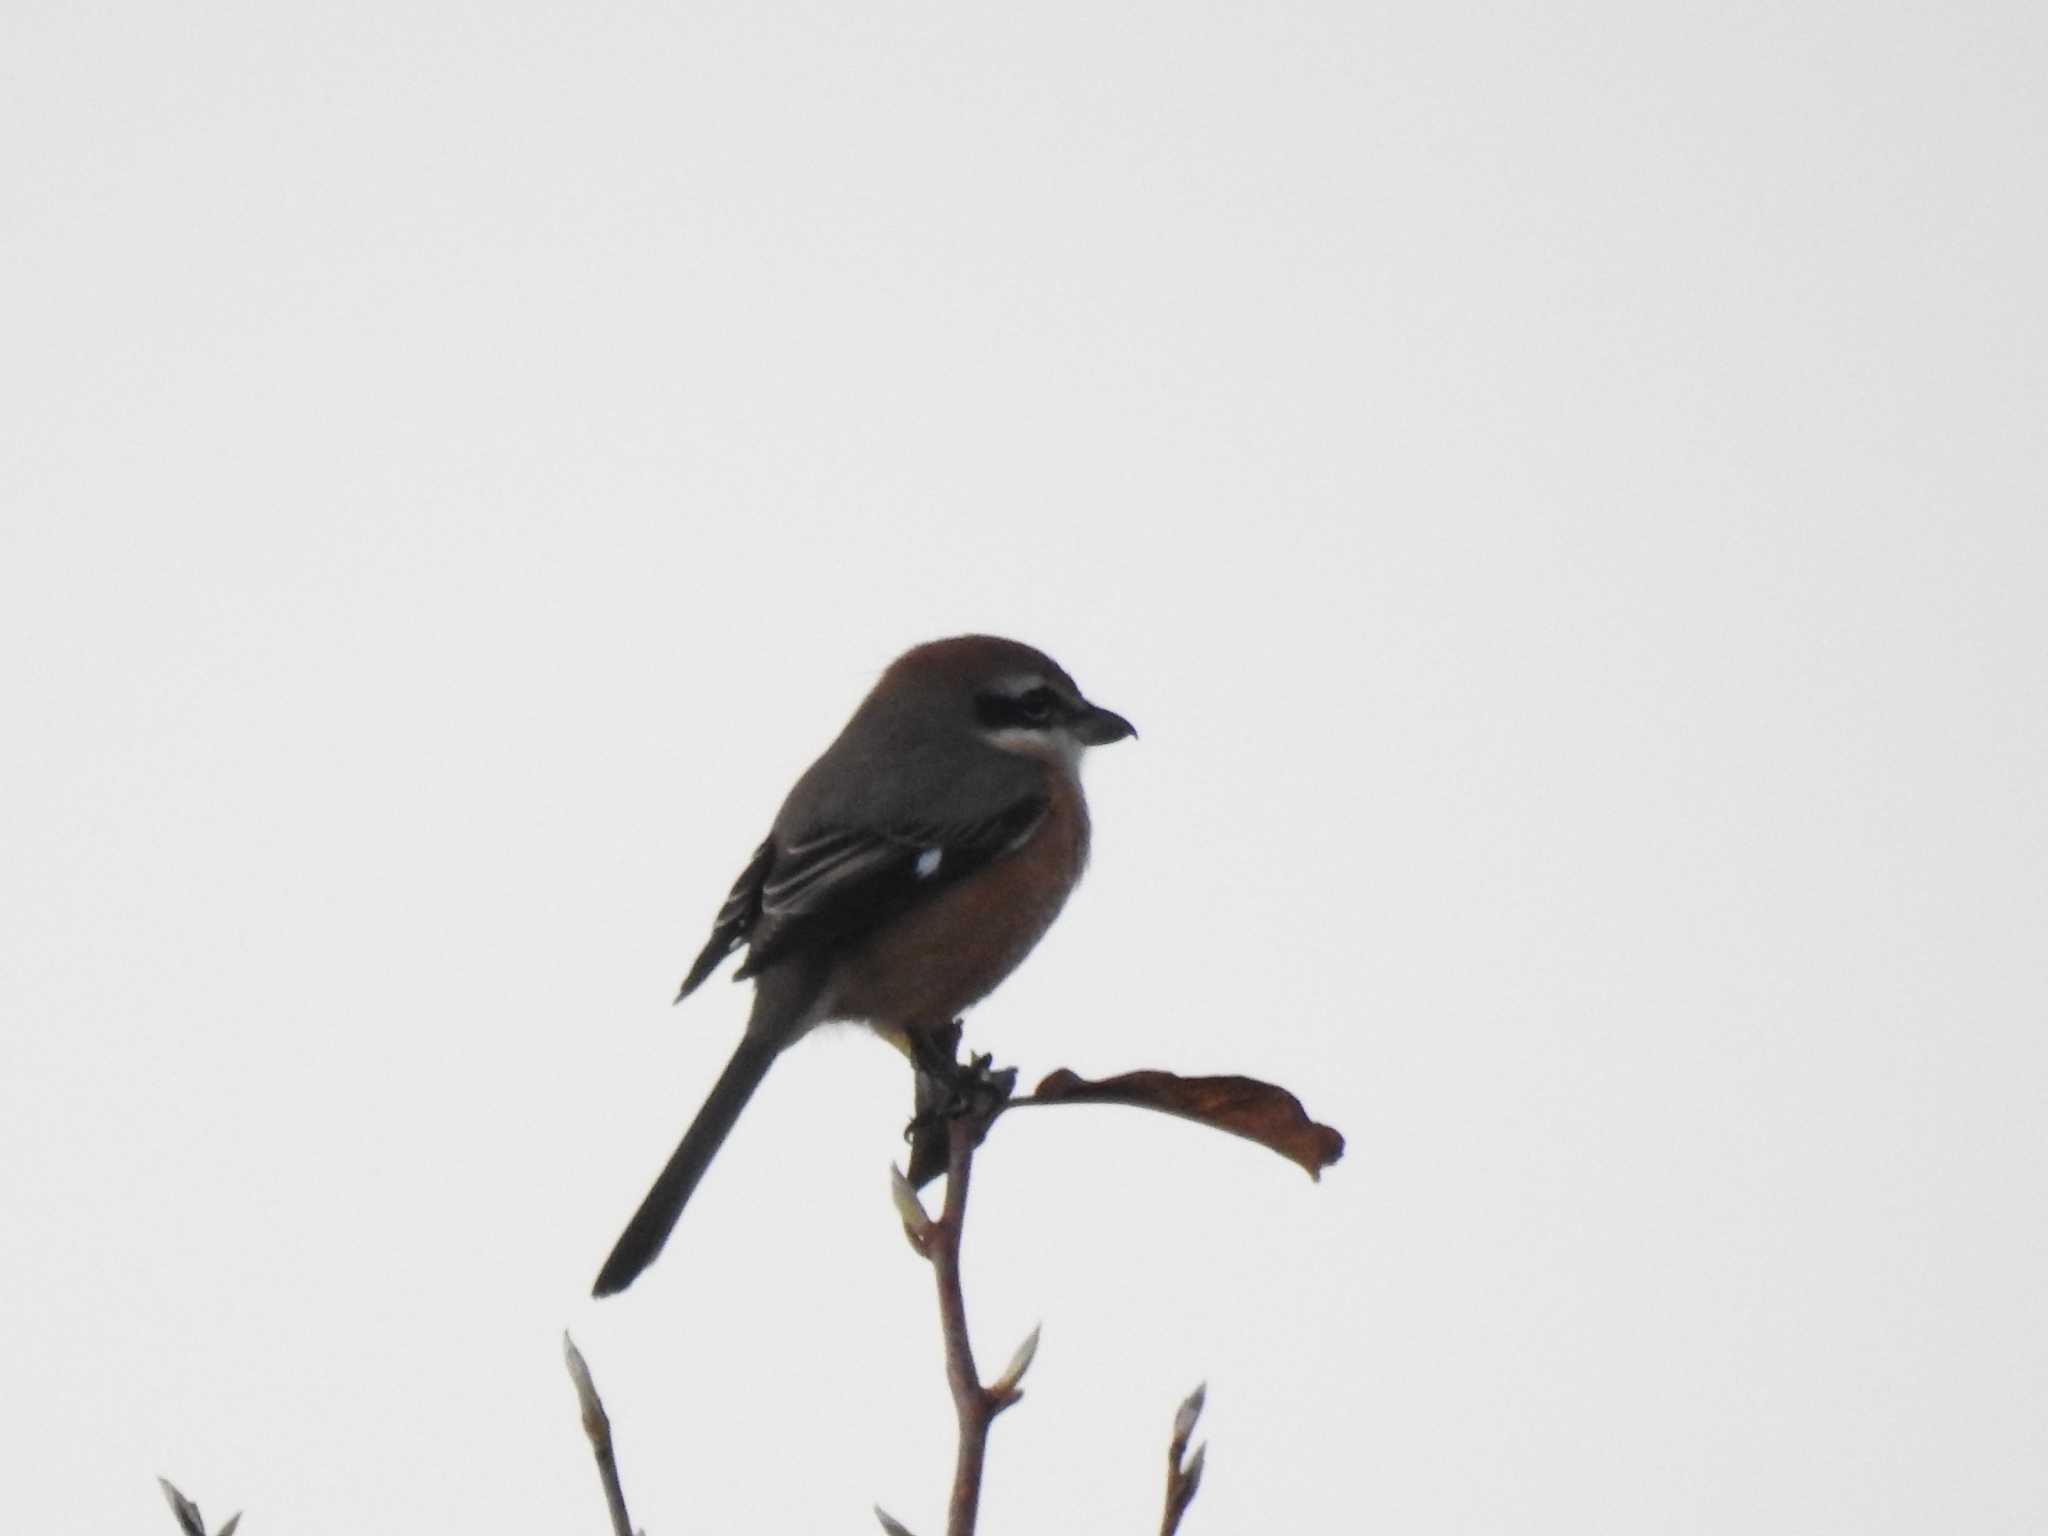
column 651, row 1224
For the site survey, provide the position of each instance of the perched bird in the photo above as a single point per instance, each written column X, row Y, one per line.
column 910, row 870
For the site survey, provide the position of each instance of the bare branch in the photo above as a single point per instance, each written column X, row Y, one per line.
column 956, row 1107
column 960, row 1106
column 1183, row 1473
column 597, row 1425
column 974, row 1407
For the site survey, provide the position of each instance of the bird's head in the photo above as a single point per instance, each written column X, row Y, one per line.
column 1014, row 697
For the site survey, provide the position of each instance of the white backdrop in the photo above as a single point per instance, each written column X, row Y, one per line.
column 1560, row 489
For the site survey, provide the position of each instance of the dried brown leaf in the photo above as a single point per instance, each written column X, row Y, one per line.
column 1243, row 1106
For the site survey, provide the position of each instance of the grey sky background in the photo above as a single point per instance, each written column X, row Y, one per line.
column 1560, row 488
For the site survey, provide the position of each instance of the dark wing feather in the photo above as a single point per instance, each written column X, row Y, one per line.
column 735, row 919
column 835, row 883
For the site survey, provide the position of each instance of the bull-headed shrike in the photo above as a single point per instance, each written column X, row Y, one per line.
column 912, row 868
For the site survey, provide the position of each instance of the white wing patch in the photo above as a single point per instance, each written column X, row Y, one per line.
column 928, row 862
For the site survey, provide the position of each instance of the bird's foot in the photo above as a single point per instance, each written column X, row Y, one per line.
column 948, row 1091
column 983, row 1088
column 975, row 1089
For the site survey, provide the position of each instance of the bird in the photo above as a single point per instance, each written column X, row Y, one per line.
column 911, row 869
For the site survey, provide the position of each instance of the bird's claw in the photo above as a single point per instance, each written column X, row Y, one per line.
column 952, row 1090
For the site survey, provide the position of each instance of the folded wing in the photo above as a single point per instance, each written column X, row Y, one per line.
column 831, row 884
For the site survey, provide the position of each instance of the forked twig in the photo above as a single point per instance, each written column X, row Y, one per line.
column 938, row 1239
column 1183, row 1472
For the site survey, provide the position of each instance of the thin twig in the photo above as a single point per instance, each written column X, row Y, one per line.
column 974, row 1406
column 1183, row 1472
column 597, row 1425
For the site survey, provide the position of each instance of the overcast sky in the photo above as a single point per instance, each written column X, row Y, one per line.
column 1560, row 489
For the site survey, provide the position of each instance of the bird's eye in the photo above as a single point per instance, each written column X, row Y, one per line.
column 1036, row 706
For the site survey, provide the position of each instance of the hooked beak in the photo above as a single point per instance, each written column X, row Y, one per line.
column 1098, row 727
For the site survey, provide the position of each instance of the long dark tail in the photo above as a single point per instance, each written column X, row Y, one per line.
column 656, row 1218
